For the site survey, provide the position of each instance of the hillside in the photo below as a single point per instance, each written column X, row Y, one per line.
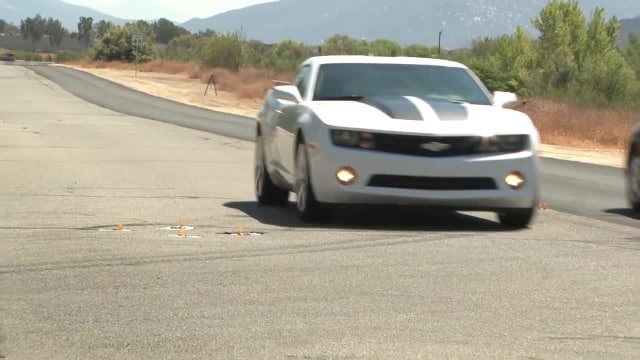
column 15, row 10
column 409, row 21
column 629, row 26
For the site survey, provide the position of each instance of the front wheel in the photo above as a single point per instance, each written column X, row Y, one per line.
column 633, row 180
column 309, row 208
column 516, row 218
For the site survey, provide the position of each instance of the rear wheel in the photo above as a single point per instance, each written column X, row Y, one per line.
column 516, row 218
column 309, row 208
column 267, row 193
column 633, row 179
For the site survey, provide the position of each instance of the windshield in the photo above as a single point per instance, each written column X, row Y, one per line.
column 353, row 81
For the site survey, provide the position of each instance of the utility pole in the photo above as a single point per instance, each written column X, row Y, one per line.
column 439, row 40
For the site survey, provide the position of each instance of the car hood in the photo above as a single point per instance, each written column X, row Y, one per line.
column 408, row 114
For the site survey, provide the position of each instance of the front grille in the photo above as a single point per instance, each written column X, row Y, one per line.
column 437, row 146
column 420, row 145
column 432, row 183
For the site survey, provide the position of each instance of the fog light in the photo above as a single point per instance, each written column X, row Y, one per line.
column 515, row 180
column 346, row 175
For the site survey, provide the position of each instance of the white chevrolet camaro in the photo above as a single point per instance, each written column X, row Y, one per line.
column 364, row 130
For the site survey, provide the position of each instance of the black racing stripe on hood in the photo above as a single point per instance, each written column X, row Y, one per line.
column 447, row 110
column 401, row 108
column 396, row 107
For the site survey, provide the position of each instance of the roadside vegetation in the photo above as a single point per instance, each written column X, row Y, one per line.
column 579, row 85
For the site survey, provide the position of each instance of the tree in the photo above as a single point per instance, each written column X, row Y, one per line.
column 206, row 33
column 85, row 31
column 582, row 58
column 606, row 80
column 185, row 48
column 514, row 53
column 632, row 53
column 56, row 32
column 7, row 28
column 341, row 44
column 224, row 50
column 287, row 55
column 116, row 45
column 562, row 28
column 256, row 54
column 483, row 48
column 101, row 27
column 166, row 30
column 34, row 29
column 417, row 50
column 602, row 35
column 383, row 47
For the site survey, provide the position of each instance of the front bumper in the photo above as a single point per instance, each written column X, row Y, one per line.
column 327, row 159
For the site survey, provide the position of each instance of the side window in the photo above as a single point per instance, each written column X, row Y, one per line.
column 302, row 80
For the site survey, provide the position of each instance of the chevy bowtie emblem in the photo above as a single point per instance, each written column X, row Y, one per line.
column 435, row 146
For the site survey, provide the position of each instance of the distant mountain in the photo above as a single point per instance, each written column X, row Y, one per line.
column 13, row 11
column 405, row 21
column 629, row 26
column 311, row 21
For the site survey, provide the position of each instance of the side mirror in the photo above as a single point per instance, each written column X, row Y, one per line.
column 287, row 93
column 502, row 98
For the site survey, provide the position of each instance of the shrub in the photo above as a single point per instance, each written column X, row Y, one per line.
column 65, row 56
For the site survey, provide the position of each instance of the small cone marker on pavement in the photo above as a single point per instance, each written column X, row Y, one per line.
column 182, row 226
column 119, row 228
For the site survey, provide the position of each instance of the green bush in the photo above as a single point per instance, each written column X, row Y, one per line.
column 66, row 56
column 287, row 55
column 116, row 45
column 498, row 80
column 184, row 48
column 224, row 51
column 28, row 56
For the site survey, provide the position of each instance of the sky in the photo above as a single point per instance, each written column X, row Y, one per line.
column 175, row 10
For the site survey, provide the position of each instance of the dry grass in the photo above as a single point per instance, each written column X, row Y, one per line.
column 559, row 124
column 569, row 125
column 246, row 84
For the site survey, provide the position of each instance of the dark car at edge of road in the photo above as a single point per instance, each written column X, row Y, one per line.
column 8, row 57
column 633, row 170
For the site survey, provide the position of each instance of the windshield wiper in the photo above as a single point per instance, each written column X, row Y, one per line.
column 341, row 97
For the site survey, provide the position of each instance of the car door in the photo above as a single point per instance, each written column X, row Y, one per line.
column 287, row 124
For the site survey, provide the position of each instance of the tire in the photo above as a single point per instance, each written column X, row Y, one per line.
column 633, row 179
column 516, row 218
column 308, row 207
column 266, row 192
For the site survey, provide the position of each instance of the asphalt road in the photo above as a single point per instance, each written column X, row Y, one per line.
column 370, row 286
column 577, row 188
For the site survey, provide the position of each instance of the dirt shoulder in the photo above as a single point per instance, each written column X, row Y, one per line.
column 181, row 88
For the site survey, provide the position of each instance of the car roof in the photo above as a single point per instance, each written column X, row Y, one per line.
column 366, row 59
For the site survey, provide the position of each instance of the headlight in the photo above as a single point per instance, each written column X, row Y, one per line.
column 504, row 143
column 359, row 139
